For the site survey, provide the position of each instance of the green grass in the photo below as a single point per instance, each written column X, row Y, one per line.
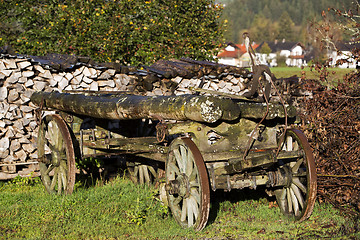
column 121, row 210
column 285, row 72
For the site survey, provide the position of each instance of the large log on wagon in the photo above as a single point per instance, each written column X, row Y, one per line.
column 123, row 106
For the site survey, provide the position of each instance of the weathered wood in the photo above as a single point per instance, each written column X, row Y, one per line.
column 186, row 107
column 257, row 110
column 255, row 159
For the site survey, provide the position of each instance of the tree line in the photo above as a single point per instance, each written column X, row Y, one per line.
column 268, row 20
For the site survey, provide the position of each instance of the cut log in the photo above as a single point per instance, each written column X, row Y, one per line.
column 3, row 93
column 5, row 72
column 14, row 78
column 39, row 85
column 29, row 148
column 28, row 74
column 4, row 144
column 186, row 107
column 24, row 64
column 94, row 86
column 26, row 109
column 4, row 108
column 14, row 145
column 13, row 95
column 21, row 155
column 3, row 152
column 18, row 125
column 63, row 83
column 10, row 63
column 39, row 68
column 46, row 74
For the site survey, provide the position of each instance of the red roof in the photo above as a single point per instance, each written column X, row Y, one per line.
column 297, row 56
column 240, row 49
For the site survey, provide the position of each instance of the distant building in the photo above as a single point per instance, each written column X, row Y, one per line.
column 342, row 56
column 293, row 52
column 235, row 55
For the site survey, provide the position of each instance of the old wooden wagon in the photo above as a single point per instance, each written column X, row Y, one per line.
column 202, row 142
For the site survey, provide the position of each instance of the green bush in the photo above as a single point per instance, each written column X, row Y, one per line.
column 129, row 31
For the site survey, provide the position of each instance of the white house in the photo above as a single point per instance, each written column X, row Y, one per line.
column 292, row 51
column 342, row 56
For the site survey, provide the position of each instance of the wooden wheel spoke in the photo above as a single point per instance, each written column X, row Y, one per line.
column 141, row 175
column 300, row 174
column 152, row 171
column 176, row 200
column 184, row 210
column 48, row 170
column 289, row 201
column 297, row 182
column 64, row 171
column 297, row 165
column 54, row 179
column 283, row 194
column 178, row 159
column 294, row 201
column 184, row 158
column 174, row 168
column 195, row 206
column 195, row 194
column 194, row 175
column 298, row 195
column 146, row 174
column 190, row 212
column 60, row 185
column 289, row 143
column 295, row 146
column 281, row 197
column 194, row 184
column 136, row 171
column 189, row 165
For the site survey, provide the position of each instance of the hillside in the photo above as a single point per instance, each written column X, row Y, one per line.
column 276, row 19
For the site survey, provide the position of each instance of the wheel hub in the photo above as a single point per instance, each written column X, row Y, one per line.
column 179, row 186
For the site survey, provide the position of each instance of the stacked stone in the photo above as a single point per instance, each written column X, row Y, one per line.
column 21, row 76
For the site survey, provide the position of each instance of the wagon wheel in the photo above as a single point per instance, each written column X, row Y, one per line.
column 297, row 197
column 187, row 184
column 141, row 173
column 56, row 155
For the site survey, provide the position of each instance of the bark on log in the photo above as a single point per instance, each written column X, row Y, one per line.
column 185, row 107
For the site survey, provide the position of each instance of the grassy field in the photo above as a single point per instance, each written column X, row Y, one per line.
column 118, row 209
column 285, row 72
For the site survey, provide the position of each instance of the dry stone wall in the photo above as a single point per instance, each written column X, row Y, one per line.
column 20, row 76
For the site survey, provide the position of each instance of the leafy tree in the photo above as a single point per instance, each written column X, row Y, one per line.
column 265, row 49
column 129, row 31
column 286, row 27
column 263, row 29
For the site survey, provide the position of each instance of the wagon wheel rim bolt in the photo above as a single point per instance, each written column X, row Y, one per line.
column 297, row 195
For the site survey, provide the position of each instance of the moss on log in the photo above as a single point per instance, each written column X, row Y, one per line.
column 122, row 106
